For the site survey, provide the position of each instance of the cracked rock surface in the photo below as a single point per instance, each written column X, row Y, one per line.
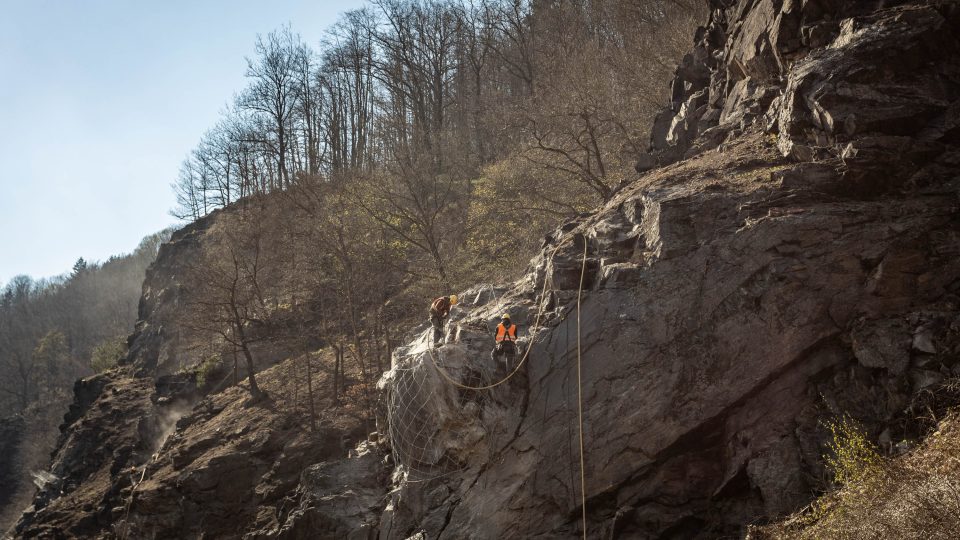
column 724, row 315
column 790, row 269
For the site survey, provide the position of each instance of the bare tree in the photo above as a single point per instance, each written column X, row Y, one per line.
column 434, row 118
column 346, row 75
column 515, row 47
column 227, row 286
column 275, row 90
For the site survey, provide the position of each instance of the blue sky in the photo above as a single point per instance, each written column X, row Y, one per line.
column 100, row 101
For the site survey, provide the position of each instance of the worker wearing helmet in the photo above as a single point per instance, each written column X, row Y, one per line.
column 439, row 311
column 506, row 336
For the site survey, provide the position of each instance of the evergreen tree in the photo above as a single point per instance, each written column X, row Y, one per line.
column 79, row 268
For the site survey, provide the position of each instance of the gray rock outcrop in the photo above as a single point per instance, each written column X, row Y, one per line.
column 829, row 79
column 723, row 318
column 778, row 276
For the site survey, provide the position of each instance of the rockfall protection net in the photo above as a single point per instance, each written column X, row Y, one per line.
column 434, row 406
column 414, row 415
column 414, row 410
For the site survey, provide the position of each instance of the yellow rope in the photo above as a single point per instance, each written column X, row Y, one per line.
column 583, row 476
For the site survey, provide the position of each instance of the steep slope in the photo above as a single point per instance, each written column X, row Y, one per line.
column 793, row 256
column 144, row 453
column 71, row 316
column 800, row 263
column 117, row 418
column 725, row 316
column 227, row 465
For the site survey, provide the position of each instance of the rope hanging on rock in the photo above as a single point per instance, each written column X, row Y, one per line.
column 583, row 475
column 413, row 433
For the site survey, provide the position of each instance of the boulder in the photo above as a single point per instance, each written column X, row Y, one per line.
column 339, row 499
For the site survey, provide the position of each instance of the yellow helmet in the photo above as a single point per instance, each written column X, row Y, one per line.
column 506, row 316
column 453, row 299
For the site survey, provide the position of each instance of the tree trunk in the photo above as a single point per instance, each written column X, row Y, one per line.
column 336, row 374
column 254, row 389
column 313, row 411
column 386, row 330
column 376, row 346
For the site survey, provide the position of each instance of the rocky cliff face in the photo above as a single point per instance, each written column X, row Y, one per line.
column 144, row 454
column 789, row 254
column 118, row 419
column 794, row 259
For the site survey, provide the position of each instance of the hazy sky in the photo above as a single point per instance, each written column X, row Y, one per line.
column 100, row 101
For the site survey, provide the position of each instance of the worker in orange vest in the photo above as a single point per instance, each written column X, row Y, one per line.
column 506, row 337
column 439, row 311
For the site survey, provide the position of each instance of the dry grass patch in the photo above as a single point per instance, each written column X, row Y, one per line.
column 916, row 495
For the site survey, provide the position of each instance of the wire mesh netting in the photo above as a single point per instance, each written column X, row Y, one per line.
column 437, row 398
column 415, row 419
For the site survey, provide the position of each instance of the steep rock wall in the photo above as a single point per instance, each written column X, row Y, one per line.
column 726, row 314
column 799, row 264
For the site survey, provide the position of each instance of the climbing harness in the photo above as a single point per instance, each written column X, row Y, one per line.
column 506, row 334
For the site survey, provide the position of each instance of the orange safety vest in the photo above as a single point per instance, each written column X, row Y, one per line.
column 506, row 334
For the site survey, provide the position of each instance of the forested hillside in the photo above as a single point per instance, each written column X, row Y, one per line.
column 53, row 332
column 452, row 133
column 421, row 148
